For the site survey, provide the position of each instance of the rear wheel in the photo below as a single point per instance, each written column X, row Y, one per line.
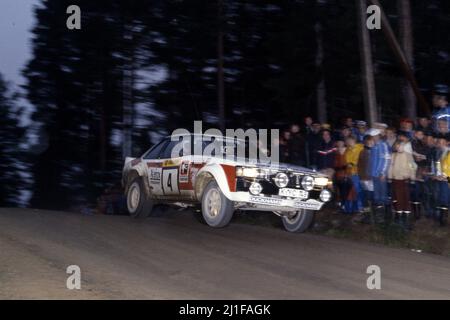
column 217, row 210
column 138, row 204
column 298, row 222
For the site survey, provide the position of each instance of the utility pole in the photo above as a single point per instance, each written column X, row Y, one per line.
column 220, row 73
column 320, row 89
column 406, row 40
column 402, row 59
column 368, row 79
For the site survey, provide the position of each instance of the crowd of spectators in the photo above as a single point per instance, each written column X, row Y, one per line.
column 383, row 173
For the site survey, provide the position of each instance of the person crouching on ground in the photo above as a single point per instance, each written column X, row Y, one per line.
column 355, row 204
column 401, row 171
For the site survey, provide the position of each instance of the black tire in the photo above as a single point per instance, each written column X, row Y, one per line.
column 199, row 217
column 142, row 206
column 298, row 223
column 217, row 210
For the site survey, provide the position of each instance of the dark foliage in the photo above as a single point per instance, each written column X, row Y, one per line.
column 156, row 61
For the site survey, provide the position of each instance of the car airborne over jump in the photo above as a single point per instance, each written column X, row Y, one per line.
column 221, row 185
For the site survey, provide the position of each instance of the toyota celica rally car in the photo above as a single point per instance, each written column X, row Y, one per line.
column 219, row 185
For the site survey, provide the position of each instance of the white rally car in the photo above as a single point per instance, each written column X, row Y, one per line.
column 219, row 186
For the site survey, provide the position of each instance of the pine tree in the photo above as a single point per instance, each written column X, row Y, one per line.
column 12, row 166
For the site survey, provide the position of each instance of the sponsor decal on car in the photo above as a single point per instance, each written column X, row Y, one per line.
column 184, row 172
column 309, row 205
column 154, row 164
column 171, row 163
column 265, row 200
column 155, row 176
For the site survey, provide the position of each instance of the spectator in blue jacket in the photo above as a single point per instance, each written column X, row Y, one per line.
column 440, row 102
column 360, row 130
column 380, row 158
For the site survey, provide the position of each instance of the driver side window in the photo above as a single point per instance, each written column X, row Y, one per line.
column 167, row 153
column 155, row 152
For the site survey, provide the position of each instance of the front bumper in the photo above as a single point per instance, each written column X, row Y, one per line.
column 246, row 201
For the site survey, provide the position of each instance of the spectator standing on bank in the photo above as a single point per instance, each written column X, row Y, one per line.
column 307, row 125
column 441, row 188
column 440, row 102
column 360, row 131
column 402, row 171
column 365, row 172
column 424, row 124
column 326, row 152
column 341, row 180
column 429, row 183
column 344, row 133
column 296, row 146
column 313, row 141
column 420, row 153
column 380, row 162
column 284, row 146
column 442, row 128
column 351, row 158
column 391, row 136
column 407, row 127
column 444, row 181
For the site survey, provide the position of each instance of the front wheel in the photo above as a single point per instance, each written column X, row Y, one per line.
column 298, row 222
column 217, row 210
column 137, row 203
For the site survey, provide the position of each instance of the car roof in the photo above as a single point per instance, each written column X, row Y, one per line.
column 203, row 135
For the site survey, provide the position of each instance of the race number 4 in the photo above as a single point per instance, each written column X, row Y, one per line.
column 170, row 181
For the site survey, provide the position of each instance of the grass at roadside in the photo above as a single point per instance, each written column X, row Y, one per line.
column 426, row 235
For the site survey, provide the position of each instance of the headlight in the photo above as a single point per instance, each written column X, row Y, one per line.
column 255, row 188
column 325, row 195
column 281, row 180
column 308, row 183
column 321, row 182
column 247, row 172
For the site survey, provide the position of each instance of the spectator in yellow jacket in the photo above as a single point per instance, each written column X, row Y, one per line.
column 445, row 163
column 443, row 188
column 352, row 153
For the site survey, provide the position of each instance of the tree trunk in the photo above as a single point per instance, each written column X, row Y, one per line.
column 321, row 92
column 368, row 80
column 402, row 60
column 407, row 43
column 220, row 74
column 127, row 95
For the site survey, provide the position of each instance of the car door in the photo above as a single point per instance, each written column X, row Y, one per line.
column 175, row 170
column 154, row 164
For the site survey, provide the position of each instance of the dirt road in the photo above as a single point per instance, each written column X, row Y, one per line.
column 173, row 256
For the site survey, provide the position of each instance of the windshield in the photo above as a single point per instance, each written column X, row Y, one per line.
column 231, row 149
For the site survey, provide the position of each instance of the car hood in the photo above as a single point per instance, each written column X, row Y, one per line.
column 279, row 166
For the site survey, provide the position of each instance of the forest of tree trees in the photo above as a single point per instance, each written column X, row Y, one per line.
column 139, row 69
